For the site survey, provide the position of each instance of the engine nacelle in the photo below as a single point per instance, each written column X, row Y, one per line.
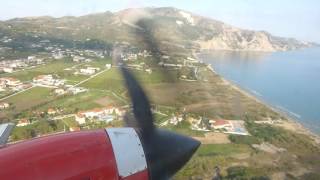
column 114, row 153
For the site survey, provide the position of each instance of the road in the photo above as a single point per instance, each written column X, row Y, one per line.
column 52, row 87
column 16, row 93
column 81, row 82
column 63, row 116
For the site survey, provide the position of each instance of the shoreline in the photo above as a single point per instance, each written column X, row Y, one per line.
column 291, row 123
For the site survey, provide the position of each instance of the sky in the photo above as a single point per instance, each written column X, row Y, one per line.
column 299, row 19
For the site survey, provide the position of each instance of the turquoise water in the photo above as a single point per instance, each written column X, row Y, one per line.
column 289, row 80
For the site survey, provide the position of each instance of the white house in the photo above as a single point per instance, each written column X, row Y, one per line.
column 92, row 113
column 175, row 120
column 132, row 56
column 7, row 69
column 78, row 59
column 12, row 81
column 48, row 80
column 31, row 58
column 108, row 66
column 80, row 118
column 43, row 78
column 89, row 70
column 98, row 113
column 76, row 90
column 4, row 105
column 149, row 71
column 165, row 57
column 59, row 91
column 13, row 65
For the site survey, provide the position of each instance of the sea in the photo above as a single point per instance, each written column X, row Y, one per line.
column 288, row 81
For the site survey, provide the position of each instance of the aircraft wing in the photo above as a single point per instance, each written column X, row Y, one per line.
column 5, row 131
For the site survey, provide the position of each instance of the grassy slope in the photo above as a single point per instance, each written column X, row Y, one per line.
column 239, row 159
column 209, row 156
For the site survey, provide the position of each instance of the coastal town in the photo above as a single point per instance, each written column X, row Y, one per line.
column 76, row 77
column 80, row 66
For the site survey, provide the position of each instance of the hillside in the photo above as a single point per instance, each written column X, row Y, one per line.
column 172, row 29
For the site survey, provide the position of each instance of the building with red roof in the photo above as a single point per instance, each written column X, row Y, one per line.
column 221, row 124
column 23, row 122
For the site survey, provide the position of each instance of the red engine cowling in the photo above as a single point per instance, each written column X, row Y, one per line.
column 84, row 155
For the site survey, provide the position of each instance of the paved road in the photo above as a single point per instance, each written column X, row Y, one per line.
column 81, row 82
column 63, row 116
column 16, row 93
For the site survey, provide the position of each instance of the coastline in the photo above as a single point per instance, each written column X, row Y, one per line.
column 291, row 124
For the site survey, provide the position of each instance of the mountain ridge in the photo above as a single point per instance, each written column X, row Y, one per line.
column 170, row 27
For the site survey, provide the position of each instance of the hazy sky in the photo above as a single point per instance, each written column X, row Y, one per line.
column 289, row 18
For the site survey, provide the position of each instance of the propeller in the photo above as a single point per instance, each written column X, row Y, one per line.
column 166, row 152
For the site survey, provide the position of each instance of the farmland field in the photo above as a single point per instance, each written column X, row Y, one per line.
column 56, row 67
column 108, row 80
column 211, row 155
column 30, row 98
column 73, row 103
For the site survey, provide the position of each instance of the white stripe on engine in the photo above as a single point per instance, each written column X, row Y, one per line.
column 128, row 151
